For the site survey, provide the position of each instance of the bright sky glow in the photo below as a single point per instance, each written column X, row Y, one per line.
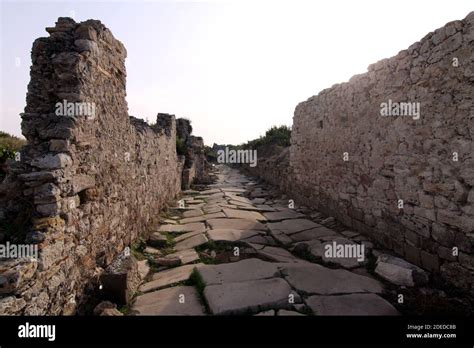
column 234, row 68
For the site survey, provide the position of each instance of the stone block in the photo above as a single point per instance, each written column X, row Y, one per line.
column 400, row 272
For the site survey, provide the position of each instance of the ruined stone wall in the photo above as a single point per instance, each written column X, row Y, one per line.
column 196, row 168
column 393, row 158
column 273, row 167
column 95, row 182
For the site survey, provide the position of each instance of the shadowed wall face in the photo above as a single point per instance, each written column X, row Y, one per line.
column 96, row 177
column 406, row 180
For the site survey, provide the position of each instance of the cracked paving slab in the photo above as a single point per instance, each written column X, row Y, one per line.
column 353, row 304
column 243, row 214
column 191, row 242
column 247, row 297
column 245, row 270
column 168, row 277
column 292, row 226
column 236, row 224
column 277, row 254
column 202, row 218
column 283, row 215
column 231, row 235
column 192, row 227
column 169, row 302
column 312, row 278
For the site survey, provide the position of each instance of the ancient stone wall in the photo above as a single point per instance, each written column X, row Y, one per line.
column 196, row 168
column 426, row 162
column 273, row 166
column 95, row 180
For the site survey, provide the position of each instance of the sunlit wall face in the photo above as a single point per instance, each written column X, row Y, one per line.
column 235, row 68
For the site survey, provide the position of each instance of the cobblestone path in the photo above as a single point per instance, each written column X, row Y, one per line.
column 235, row 249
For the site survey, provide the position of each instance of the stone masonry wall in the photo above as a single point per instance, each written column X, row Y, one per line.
column 196, row 168
column 273, row 167
column 399, row 158
column 96, row 183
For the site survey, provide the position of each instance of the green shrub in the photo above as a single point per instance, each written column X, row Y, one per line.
column 210, row 154
column 278, row 135
column 180, row 146
column 9, row 144
column 6, row 153
column 275, row 136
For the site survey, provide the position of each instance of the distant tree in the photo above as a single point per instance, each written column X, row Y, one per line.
column 276, row 135
column 210, row 154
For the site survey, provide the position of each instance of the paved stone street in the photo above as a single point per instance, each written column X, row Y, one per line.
column 235, row 249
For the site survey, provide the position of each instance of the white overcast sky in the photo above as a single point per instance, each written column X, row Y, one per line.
column 234, row 68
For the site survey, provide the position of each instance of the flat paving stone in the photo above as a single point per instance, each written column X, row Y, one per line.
column 353, row 304
column 210, row 192
column 316, row 279
column 143, row 268
column 213, row 210
column 230, row 235
column 192, row 227
column 314, row 233
column 234, row 197
column 168, row 302
column 237, row 224
column 233, row 189
column 256, row 246
column 186, row 256
column 292, row 226
column 193, row 213
column 265, row 208
column 244, row 214
column 282, row 238
column 277, row 254
column 191, row 242
column 156, row 239
column 240, row 204
column 245, row 270
column 259, row 239
column 202, row 218
column 247, row 297
column 258, row 200
column 168, row 277
column 283, row 215
column 253, row 208
column 186, row 235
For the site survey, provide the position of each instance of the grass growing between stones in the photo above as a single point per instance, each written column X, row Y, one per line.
column 195, row 280
column 207, row 260
column 204, row 251
column 137, row 249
